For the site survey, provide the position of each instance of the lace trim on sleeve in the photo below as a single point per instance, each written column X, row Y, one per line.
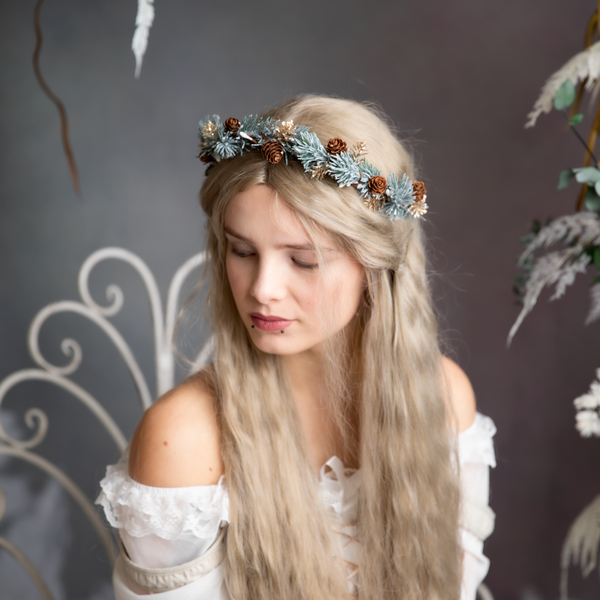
column 475, row 444
column 165, row 512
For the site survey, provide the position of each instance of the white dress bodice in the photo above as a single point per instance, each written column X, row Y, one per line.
column 161, row 528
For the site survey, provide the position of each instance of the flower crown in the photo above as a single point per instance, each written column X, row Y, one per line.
column 277, row 140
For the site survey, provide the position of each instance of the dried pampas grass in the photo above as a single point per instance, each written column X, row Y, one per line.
column 143, row 22
column 585, row 65
column 581, row 545
column 560, row 267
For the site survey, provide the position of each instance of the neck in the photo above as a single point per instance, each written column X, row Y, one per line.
column 320, row 415
column 306, row 377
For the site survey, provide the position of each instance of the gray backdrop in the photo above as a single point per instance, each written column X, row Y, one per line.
column 457, row 77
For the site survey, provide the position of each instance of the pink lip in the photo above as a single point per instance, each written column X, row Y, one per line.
column 270, row 323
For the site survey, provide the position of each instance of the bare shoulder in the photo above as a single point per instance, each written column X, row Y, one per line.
column 459, row 393
column 177, row 442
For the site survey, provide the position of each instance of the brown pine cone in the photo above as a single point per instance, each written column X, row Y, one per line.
column 377, row 184
column 272, row 151
column 336, row 146
column 205, row 158
column 419, row 190
column 232, row 124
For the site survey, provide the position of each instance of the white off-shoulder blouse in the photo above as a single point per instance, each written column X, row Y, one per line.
column 173, row 537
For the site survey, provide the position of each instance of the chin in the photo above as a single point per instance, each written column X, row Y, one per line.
column 276, row 343
column 275, row 347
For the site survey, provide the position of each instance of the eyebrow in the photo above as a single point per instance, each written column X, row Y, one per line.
column 279, row 246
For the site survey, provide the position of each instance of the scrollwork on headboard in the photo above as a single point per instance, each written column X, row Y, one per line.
column 36, row 419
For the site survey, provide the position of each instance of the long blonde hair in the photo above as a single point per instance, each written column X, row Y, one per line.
column 279, row 543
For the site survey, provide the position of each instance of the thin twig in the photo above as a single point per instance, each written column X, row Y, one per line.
column 61, row 109
column 564, row 112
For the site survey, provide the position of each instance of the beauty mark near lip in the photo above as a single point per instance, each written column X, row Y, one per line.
column 271, row 323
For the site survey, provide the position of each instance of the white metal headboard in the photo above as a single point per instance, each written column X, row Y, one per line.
column 36, row 419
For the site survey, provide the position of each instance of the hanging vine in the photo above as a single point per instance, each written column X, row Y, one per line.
column 64, row 126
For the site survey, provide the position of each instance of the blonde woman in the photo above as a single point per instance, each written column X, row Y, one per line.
column 329, row 450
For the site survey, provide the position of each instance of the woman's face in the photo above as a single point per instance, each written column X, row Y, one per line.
column 277, row 284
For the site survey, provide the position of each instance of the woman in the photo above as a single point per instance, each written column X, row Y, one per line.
column 316, row 456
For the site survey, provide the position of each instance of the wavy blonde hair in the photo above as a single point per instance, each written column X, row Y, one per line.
column 279, row 544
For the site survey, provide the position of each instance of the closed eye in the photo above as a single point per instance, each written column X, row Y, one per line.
column 305, row 259
column 241, row 253
column 304, row 265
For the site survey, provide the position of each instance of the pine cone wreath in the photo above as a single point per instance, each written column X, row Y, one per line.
column 232, row 124
column 205, row 158
column 272, row 151
column 336, row 146
column 376, row 185
column 419, row 190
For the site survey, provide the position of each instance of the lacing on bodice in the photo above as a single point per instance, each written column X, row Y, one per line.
column 339, row 488
column 351, row 567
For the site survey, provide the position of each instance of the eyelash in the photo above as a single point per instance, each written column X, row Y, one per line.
column 240, row 253
column 307, row 266
column 300, row 265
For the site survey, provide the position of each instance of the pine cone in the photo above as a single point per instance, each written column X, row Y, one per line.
column 419, row 190
column 205, row 158
column 232, row 124
column 336, row 146
column 377, row 184
column 272, row 151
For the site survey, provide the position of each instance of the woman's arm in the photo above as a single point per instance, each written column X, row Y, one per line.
column 177, row 442
column 459, row 395
column 168, row 510
column 476, row 457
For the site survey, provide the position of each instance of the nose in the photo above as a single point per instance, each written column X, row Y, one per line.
column 268, row 284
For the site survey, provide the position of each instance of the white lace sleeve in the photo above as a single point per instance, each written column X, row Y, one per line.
column 162, row 527
column 476, row 456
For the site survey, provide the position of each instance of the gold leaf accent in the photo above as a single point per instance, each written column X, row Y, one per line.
column 285, row 131
column 373, row 203
column 319, row 172
column 209, row 129
column 418, row 209
column 359, row 149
